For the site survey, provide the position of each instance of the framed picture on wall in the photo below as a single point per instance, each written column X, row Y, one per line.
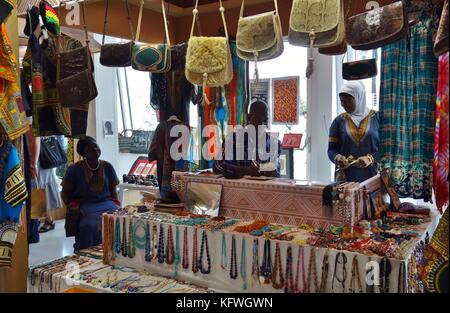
column 285, row 100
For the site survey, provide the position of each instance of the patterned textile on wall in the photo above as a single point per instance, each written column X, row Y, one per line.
column 407, row 110
column 286, row 100
column 440, row 164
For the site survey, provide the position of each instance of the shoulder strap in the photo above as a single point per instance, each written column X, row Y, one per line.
column 275, row 2
column 130, row 25
column 104, row 23
column 222, row 13
column 166, row 29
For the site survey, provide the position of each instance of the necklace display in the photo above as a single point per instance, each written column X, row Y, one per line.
column 255, row 263
column 208, row 257
column 289, row 286
column 312, row 271
column 325, row 267
column 124, row 238
column 355, row 281
column 177, row 253
column 233, row 262
column 131, row 244
column 160, row 254
column 277, row 269
column 243, row 268
column 385, row 272
column 343, row 260
column 195, row 253
column 170, row 250
column 185, row 262
column 266, row 267
column 117, row 240
column 300, row 260
column 223, row 259
column 148, row 243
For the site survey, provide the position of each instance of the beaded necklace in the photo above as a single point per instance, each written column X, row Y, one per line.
column 289, row 286
column 160, row 254
column 401, row 278
column 223, row 259
column 107, row 243
column 148, row 243
column 312, row 270
column 344, row 270
column 355, row 281
column 170, row 253
column 300, row 259
column 177, row 253
column 139, row 241
column 266, row 267
column 195, row 253
column 185, row 262
column 325, row 267
column 255, row 262
column 208, row 258
column 117, row 240
column 124, row 238
column 243, row 265
column 385, row 271
column 233, row 262
column 131, row 242
column 277, row 269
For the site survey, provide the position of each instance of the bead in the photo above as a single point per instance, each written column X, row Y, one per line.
column 222, row 9
column 195, row 11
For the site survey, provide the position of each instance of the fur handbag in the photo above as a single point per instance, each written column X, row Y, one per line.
column 441, row 42
column 359, row 69
column 153, row 58
column 208, row 59
column 377, row 27
column 116, row 54
column 259, row 37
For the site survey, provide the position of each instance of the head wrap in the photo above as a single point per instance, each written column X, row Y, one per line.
column 357, row 90
column 49, row 16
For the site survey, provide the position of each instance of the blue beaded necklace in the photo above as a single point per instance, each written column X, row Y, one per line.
column 117, row 240
column 148, row 243
column 177, row 253
column 131, row 242
column 124, row 238
column 140, row 241
column 223, row 260
column 243, row 265
column 192, row 221
column 160, row 254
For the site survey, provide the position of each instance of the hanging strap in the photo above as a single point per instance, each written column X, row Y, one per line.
column 130, row 25
column 243, row 4
column 138, row 31
column 222, row 13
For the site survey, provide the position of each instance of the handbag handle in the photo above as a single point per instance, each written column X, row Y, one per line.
column 275, row 2
column 130, row 24
column 222, row 13
column 166, row 29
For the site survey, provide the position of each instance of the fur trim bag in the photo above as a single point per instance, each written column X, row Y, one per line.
column 208, row 59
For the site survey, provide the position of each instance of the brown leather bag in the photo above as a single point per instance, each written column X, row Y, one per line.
column 361, row 69
column 116, row 54
column 441, row 42
column 74, row 77
column 377, row 27
column 341, row 48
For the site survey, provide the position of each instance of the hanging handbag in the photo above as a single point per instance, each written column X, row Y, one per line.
column 341, row 48
column 208, row 59
column 259, row 37
column 153, row 58
column 441, row 42
column 116, row 54
column 359, row 69
column 51, row 153
column 377, row 27
column 74, row 72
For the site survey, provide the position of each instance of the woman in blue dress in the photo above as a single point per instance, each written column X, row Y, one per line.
column 354, row 135
column 90, row 185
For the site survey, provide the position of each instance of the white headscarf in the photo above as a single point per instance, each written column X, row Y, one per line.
column 357, row 90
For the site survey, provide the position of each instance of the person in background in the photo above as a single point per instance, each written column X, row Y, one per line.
column 354, row 138
column 90, row 186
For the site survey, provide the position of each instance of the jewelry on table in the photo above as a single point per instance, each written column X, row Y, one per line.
column 131, row 244
column 148, row 244
column 117, row 240
column 223, row 259
column 277, row 269
column 195, row 252
column 233, row 262
column 312, row 270
column 185, row 262
column 208, row 257
column 124, row 238
column 140, row 242
column 289, row 286
column 266, row 267
column 170, row 253
column 177, row 253
column 355, row 281
column 325, row 267
column 255, row 262
column 343, row 257
column 300, row 259
column 160, row 254
column 385, row 272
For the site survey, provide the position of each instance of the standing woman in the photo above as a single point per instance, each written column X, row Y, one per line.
column 354, row 135
column 90, row 187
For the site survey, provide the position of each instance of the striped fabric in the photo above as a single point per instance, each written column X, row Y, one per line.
column 407, row 110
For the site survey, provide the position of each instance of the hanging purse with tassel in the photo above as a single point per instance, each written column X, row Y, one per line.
column 116, row 54
column 154, row 58
column 208, row 59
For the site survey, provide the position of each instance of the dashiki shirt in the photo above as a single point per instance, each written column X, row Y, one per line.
column 13, row 193
column 348, row 140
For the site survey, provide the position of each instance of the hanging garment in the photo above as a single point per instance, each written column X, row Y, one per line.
column 13, row 193
column 407, row 107
column 440, row 164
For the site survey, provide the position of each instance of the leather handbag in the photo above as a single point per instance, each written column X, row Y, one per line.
column 441, row 42
column 153, row 58
column 359, row 69
column 377, row 27
column 51, row 153
column 341, row 48
column 208, row 59
column 259, row 37
column 116, row 54
column 74, row 73
column 316, row 23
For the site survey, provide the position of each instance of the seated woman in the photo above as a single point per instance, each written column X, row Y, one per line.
column 90, row 185
column 252, row 163
column 354, row 135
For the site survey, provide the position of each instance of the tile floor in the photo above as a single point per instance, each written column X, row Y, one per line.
column 52, row 245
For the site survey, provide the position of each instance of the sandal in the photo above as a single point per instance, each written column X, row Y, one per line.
column 47, row 227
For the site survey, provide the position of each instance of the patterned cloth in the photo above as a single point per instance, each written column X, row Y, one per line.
column 285, row 101
column 407, row 107
column 13, row 193
column 440, row 164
